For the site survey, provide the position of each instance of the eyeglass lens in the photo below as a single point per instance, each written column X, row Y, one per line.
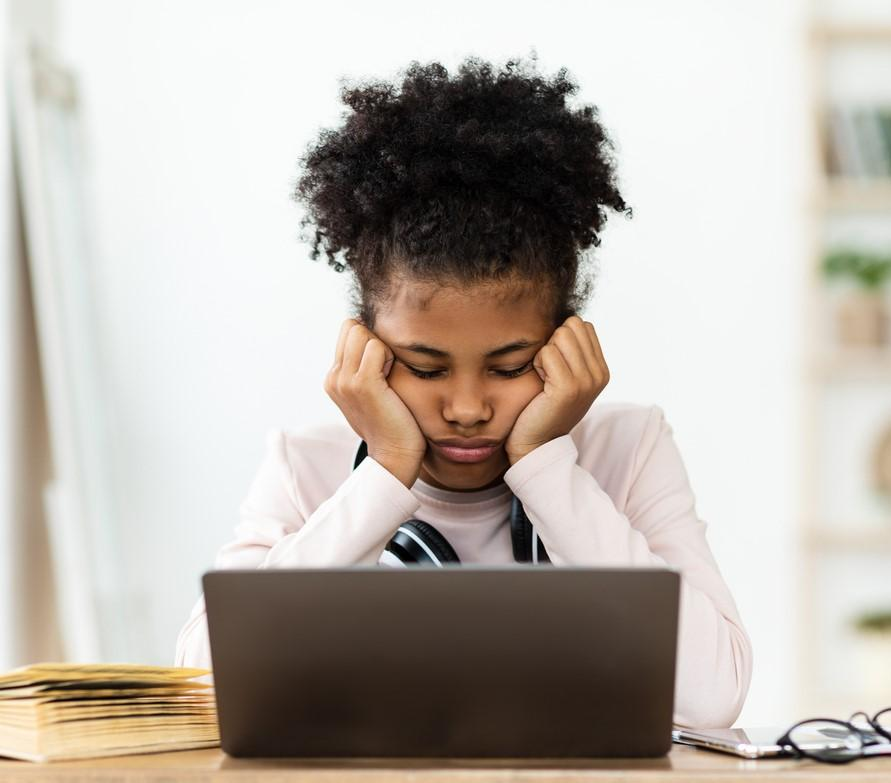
column 876, row 728
column 883, row 720
column 827, row 739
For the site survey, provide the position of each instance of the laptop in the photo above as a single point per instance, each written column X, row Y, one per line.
column 465, row 660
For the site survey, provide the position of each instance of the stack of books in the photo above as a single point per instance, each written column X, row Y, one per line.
column 56, row 711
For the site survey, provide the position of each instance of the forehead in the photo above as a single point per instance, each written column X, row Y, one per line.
column 446, row 314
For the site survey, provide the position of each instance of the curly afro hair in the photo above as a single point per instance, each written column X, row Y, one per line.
column 486, row 176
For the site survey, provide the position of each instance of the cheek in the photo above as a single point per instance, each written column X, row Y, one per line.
column 411, row 391
column 523, row 391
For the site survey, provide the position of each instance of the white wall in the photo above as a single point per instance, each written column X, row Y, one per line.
column 217, row 326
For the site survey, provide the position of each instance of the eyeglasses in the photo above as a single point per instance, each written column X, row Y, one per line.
column 840, row 741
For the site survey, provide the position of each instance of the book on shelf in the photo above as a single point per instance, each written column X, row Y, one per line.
column 58, row 711
column 857, row 141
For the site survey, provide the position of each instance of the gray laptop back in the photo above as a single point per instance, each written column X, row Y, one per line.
column 465, row 660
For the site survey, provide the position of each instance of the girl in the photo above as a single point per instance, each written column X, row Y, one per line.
column 467, row 378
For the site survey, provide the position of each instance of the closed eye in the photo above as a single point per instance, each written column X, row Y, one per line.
column 430, row 374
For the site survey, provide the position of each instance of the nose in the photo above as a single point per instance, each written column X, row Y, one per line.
column 466, row 404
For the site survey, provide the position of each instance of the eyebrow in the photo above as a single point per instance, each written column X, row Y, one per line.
column 440, row 354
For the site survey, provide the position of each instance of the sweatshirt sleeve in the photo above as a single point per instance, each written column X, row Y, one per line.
column 352, row 527
column 580, row 525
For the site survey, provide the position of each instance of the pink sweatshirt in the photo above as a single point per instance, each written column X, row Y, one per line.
column 613, row 492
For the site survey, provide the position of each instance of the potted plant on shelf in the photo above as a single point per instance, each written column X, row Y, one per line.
column 863, row 312
column 873, row 629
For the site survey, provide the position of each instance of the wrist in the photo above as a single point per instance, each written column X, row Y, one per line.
column 515, row 456
column 406, row 470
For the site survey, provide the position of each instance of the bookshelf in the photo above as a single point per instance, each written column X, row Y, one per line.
column 844, row 531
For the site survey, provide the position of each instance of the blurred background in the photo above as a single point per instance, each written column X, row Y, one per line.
column 160, row 313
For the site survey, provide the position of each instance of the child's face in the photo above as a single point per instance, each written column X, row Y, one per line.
column 469, row 394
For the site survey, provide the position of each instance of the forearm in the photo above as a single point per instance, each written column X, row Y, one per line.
column 580, row 526
column 352, row 527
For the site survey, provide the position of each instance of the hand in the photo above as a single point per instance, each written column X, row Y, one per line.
column 357, row 382
column 574, row 372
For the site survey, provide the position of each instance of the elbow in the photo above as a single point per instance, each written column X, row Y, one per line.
column 718, row 702
column 193, row 643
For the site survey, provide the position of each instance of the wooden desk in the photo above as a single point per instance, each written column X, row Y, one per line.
column 683, row 763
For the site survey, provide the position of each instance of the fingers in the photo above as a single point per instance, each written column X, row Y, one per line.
column 598, row 351
column 589, row 346
column 353, row 350
column 360, row 351
column 377, row 359
column 594, row 342
column 580, row 331
column 552, row 367
column 341, row 340
column 582, row 357
column 566, row 337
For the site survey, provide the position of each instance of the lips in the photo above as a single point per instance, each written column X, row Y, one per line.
column 472, row 450
column 467, row 443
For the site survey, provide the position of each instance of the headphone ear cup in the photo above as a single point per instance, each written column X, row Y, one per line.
column 419, row 542
column 521, row 535
column 520, row 532
column 407, row 545
column 361, row 453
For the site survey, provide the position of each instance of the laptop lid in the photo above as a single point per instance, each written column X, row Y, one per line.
column 464, row 660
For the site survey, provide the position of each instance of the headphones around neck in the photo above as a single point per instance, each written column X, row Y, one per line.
column 419, row 543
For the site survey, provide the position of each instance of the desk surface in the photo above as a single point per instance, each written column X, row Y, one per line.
column 683, row 763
